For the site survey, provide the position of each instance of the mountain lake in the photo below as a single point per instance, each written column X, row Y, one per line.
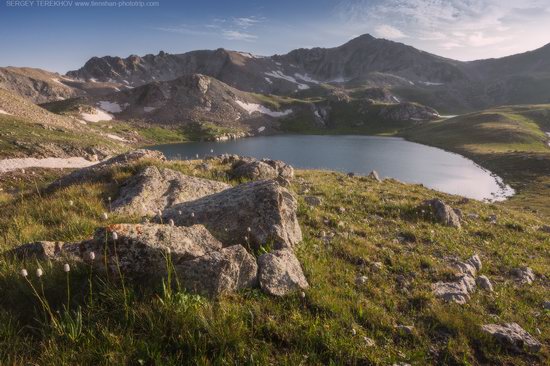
column 391, row 157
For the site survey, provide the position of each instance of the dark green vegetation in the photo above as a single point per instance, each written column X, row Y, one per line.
column 382, row 234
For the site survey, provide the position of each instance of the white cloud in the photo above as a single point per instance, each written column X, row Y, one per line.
column 478, row 39
column 387, row 31
column 246, row 22
column 238, row 36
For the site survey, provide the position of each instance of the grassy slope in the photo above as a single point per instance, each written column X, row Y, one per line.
column 509, row 141
column 381, row 223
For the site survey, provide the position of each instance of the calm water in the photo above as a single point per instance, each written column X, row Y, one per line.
column 391, row 157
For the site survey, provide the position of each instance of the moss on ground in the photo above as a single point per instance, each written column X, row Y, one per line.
column 381, row 223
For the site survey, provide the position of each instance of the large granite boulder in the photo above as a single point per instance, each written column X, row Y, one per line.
column 253, row 169
column 280, row 273
column 98, row 171
column 444, row 213
column 221, row 272
column 255, row 214
column 155, row 189
column 144, row 248
column 513, row 336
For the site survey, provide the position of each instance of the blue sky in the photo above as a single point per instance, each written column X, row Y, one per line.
column 61, row 36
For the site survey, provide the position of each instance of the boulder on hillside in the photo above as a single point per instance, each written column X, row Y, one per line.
column 255, row 213
column 221, row 272
column 98, row 171
column 280, row 273
column 407, row 111
column 513, row 336
column 155, row 189
column 139, row 249
column 374, row 176
column 253, row 169
column 143, row 248
column 459, row 290
column 444, row 213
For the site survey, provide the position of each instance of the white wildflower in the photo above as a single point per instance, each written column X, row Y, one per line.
column 66, row 267
column 39, row 272
column 104, row 216
column 91, row 256
column 24, row 272
column 71, row 203
column 192, row 214
column 115, row 235
column 303, row 295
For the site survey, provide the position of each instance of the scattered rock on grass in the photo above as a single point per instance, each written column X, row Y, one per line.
column 513, row 336
column 484, row 283
column 280, row 273
column 313, row 200
column 444, row 213
column 374, row 176
column 524, row 275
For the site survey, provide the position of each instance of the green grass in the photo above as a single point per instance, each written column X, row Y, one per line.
column 164, row 327
column 509, row 141
column 15, row 130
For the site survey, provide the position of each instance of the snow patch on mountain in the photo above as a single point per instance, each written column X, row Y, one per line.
column 306, row 78
column 253, row 107
column 149, row 109
column 279, row 75
column 429, row 83
column 111, row 107
column 97, row 115
column 269, row 80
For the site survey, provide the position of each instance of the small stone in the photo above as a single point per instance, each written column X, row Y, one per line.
column 313, row 200
column 369, row 342
column 405, row 329
column 493, row 219
column 351, row 174
column 443, row 213
column 484, row 283
column 524, row 275
column 361, row 280
column 546, row 305
column 341, row 209
column 545, row 229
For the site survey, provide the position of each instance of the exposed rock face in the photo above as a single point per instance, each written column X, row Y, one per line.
column 524, row 275
column 407, row 112
column 143, row 248
column 256, row 213
column 221, row 272
column 513, row 336
column 444, row 213
column 280, row 273
column 155, row 189
column 459, row 290
column 96, row 172
column 42, row 250
column 253, row 169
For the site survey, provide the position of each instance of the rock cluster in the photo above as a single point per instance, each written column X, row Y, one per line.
column 459, row 291
column 204, row 229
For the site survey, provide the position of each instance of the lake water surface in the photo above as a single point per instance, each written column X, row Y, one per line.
column 391, row 157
